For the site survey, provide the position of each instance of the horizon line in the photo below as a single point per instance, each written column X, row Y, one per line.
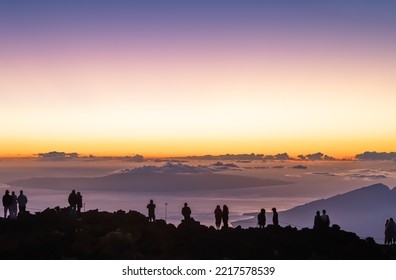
column 183, row 156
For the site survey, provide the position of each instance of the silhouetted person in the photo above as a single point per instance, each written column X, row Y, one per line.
column 14, row 205
column 7, row 201
column 22, row 201
column 186, row 212
column 275, row 219
column 225, row 216
column 261, row 218
column 72, row 202
column 218, row 214
column 318, row 222
column 79, row 203
column 325, row 219
column 393, row 224
column 151, row 211
column 390, row 232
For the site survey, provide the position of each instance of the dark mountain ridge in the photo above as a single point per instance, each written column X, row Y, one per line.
column 363, row 211
column 54, row 234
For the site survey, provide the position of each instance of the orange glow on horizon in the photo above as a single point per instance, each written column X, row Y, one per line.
column 338, row 148
column 300, row 96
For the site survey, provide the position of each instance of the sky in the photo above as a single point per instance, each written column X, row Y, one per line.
column 173, row 78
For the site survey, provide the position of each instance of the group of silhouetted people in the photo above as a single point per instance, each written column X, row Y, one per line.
column 11, row 203
column 390, row 232
column 321, row 221
column 262, row 219
column 75, row 203
column 221, row 215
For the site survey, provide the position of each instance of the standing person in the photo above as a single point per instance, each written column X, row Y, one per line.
column 151, row 211
column 22, row 201
column 186, row 212
column 218, row 214
column 72, row 202
column 261, row 218
column 79, row 202
column 14, row 205
column 390, row 231
column 225, row 216
column 7, row 201
column 275, row 219
column 318, row 221
column 325, row 219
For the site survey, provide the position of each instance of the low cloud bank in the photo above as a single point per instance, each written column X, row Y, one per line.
column 57, row 156
column 245, row 158
column 376, row 156
column 249, row 157
column 316, row 156
column 136, row 158
column 365, row 174
column 283, row 156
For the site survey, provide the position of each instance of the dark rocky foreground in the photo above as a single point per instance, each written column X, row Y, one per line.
column 52, row 234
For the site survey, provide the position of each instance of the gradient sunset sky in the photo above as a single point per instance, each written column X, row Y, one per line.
column 164, row 78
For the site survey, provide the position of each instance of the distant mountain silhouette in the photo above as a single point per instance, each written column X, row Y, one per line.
column 363, row 211
column 148, row 181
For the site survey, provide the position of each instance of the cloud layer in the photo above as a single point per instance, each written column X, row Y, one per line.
column 57, row 156
column 365, row 174
column 376, row 156
column 316, row 156
column 179, row 168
